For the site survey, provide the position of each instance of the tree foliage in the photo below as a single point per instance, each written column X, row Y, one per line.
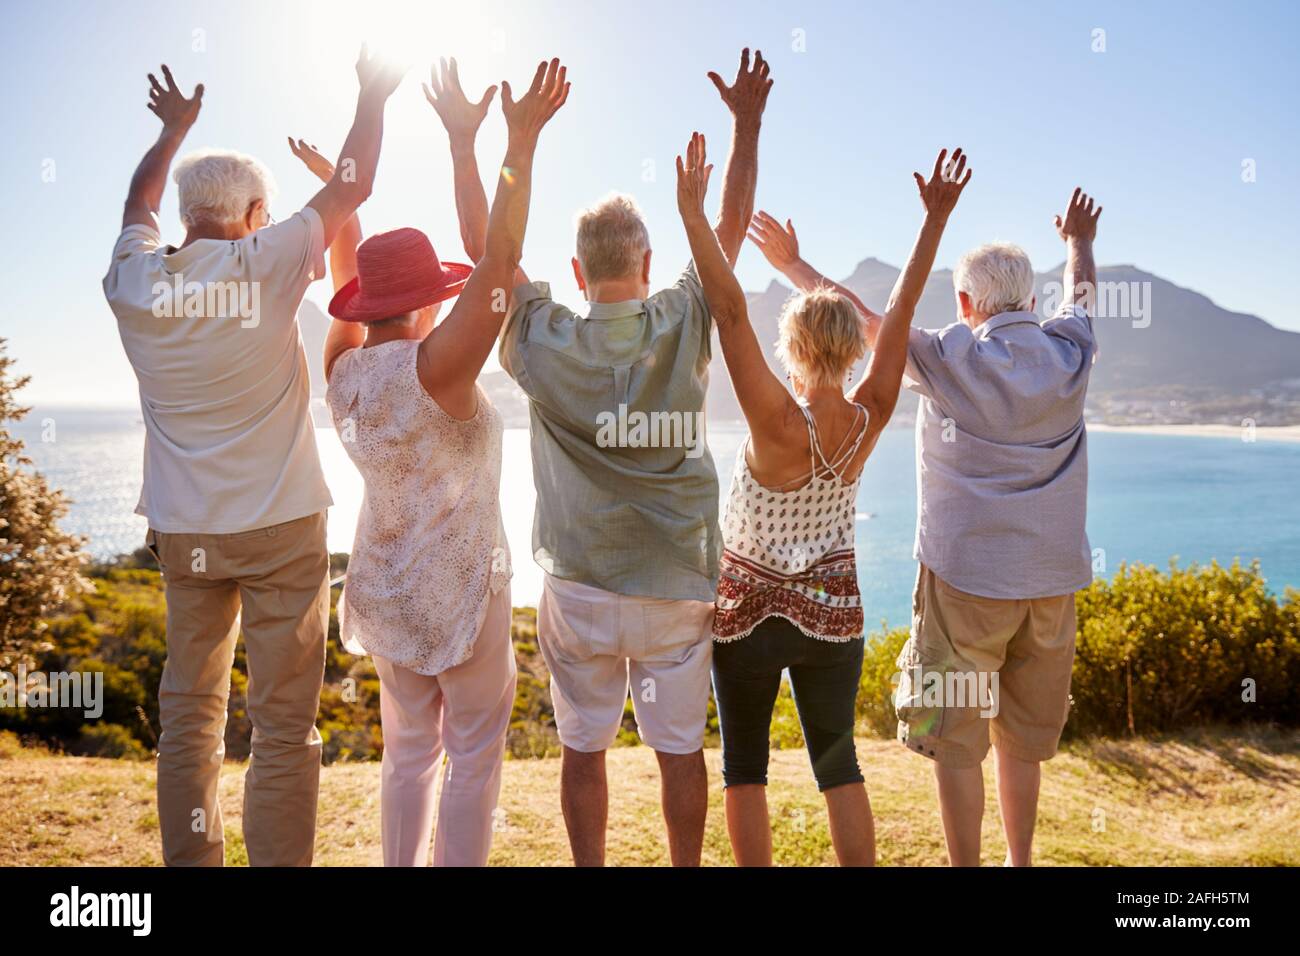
column 40, row 565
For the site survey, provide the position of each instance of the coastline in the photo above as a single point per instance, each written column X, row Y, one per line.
column 1284, row 433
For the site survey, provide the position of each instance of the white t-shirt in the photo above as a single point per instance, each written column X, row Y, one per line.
column 212, row 333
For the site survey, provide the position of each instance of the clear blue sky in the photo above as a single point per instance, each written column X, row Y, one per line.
column 1157, row 126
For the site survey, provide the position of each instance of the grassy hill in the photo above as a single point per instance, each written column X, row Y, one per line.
column 1207, row 798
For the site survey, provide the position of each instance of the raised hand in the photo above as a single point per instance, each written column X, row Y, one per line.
column 459, row 116
column 779, row 244
column 747, row 96
column 693, row 178
column 378, row 75
column 170, row 105
column 545, row 96
column 1080, row 221
column 320, row 167
column 941, row 193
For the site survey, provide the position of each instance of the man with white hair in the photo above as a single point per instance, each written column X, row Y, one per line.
column 626, row 525
column 1002, row 484
column 233, row 488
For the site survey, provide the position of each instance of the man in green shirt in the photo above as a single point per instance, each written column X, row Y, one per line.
column 626, row 525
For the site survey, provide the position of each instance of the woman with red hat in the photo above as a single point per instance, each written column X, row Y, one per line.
column 428, row 587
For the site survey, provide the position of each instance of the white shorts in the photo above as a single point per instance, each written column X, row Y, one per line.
column 596, row 643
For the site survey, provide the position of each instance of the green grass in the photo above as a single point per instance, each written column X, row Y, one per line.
column 1205, row 798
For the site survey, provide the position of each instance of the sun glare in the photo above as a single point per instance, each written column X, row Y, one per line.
column 412, row 33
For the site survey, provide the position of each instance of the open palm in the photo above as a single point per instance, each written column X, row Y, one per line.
column 448, row 99
column 311, row 157
column 169, row 104
column 1080, row 220
column 940, row 193
column 779, row 244
column 546, row 94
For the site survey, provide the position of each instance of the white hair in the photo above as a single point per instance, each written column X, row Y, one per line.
column 612, row 239
column 218, row 185
column 998, row 278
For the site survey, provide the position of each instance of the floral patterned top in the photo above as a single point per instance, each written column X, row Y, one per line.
column 790, row 553
column 430, row 547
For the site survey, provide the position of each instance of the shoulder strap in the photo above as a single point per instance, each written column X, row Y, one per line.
column 843, row 460
column 814, row 449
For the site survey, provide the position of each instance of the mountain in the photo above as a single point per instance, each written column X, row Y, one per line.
column 1166, row 353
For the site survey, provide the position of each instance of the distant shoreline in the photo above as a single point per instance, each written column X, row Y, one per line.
column 1286, row 433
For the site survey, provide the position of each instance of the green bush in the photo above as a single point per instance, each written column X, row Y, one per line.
column 785, row 732
column 1162, row 651
column 1158, row 651
column 109, row 740
column 875, row 708
column 11, row 746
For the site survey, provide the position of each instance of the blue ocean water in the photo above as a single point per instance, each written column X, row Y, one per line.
column 1151, row 497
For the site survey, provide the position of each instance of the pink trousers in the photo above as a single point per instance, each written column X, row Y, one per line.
column 464, row 712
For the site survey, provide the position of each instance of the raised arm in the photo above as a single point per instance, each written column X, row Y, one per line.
column 144, row 197
column 763, row 398
column 1078, row 228
column 341, row 336
column 746, row 98
column 462, row 120
column 354, row 173
column 453, row 354
column 878, row 389
column 780, row 246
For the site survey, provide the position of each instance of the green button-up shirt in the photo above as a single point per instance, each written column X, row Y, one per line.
column 627, row 494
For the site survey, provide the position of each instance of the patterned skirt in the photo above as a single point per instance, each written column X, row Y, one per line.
column 824, row 601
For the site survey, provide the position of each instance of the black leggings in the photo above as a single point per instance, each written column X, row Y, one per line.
column 824, row 676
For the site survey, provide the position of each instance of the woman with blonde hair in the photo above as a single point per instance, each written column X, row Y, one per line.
column 788, row 597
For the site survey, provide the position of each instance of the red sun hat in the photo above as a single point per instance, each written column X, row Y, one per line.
column 397, row 272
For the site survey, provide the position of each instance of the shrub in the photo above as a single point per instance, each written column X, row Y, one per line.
column 13, row 747
column 1162, row 651
column 875, row 708
column 109, row 740
column 1156, row 652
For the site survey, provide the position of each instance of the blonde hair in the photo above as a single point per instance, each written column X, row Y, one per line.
column 219, row 185
column 612, row 239
column 820, row 337
column 998, row 278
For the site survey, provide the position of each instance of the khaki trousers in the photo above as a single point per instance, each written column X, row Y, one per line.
column 277, row 579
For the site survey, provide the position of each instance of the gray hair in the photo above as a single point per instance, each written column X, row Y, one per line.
column 218, row 185
column 998, row 278
column 612, row 239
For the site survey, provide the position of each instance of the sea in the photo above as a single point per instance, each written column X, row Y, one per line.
column 1151, row 498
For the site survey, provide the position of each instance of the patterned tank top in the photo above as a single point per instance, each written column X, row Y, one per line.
column 790, row 553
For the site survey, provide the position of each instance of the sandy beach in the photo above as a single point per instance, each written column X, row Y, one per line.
column 1289, row 433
